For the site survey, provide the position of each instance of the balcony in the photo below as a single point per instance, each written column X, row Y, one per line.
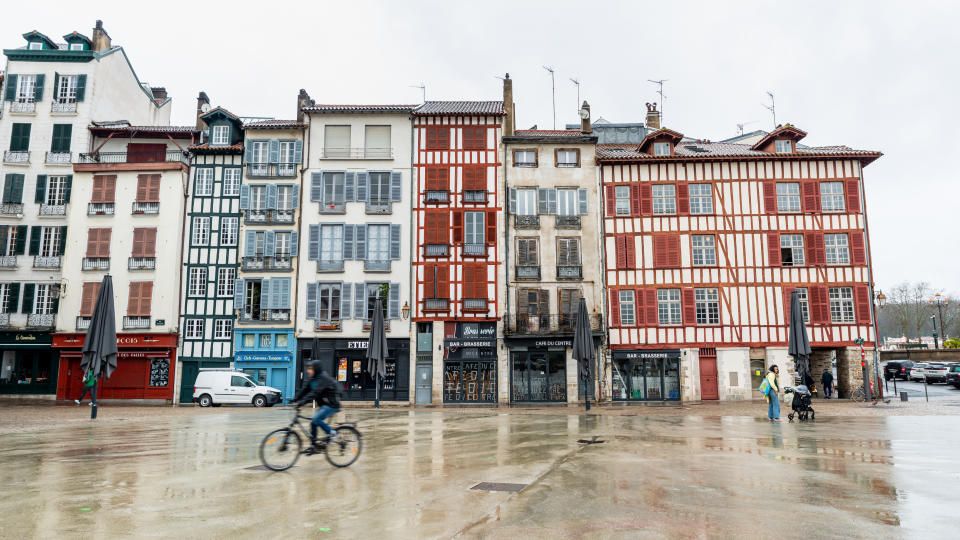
column 59, row 158
column 548, row 324
column 475, row 250
column 53, row 209
column 568, row 222
column 95, row 263
column 268, row 217
column 163, row 156
column 528, row 272
column 474, row 196
column 330, row 266
column 379, row 208
column 37, row 320
column 436, row 304
column 328, row 326
column 63, row 107
column 272, row 170
column 279, row 263
column 142, row 263
column 134, row 323
column 83, row 323
column 264, row 316
column 569, row 272
column 367, row 324
column 357, row 153
column 8, row 262
column 475, row 304
column 376, row 266
column 23, row 107
column 526, row 222
column 437, row 196
column 333, row 208
column 436, row 250
column 4, row 320
column 145, row 208
column 16, row 156
column 11, row 209
column 100, row 209
column 40, row 261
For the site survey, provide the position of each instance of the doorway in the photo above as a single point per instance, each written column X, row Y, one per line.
column 539, row 376
column 709, row 390
column 424, row 395
column 757, row 369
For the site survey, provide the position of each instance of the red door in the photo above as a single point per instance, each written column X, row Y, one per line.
column 708, row 374
column 146, row 153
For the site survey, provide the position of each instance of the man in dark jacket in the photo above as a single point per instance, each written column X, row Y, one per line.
column 827, row 381
column 325, row 391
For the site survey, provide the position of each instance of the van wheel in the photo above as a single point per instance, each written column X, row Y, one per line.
column 259, row 401
column 205, row 400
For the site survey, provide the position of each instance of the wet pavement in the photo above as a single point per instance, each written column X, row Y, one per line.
column 683, row 475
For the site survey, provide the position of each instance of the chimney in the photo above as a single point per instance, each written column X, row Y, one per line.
column 202, row 100
column 585, row 118
column 653, row 116
column 508, row 106
column 101, row 39
column 303, row 100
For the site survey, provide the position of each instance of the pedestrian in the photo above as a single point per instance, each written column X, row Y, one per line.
column 88, row 381
column 773, row 398
column 827, row 381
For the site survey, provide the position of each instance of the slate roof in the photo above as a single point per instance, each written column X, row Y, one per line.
column 453, row 108
column 549, row 133
column 712, row 150
column 218, row 109
column 274, row 124
column 335, row 109
column 123, row 127
column 206, row 147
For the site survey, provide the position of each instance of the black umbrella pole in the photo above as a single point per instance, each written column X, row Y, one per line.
column 93, row 401
column 376, row 399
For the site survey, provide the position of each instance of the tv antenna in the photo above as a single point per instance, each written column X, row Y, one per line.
column 772, row 107
column 553, row 93
column 741, row 126
column 577, row 83
column 663, row 98
column 422, row 88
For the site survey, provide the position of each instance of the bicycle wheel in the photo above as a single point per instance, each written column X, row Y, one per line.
column 280, row 449
column 345, row 449
column 858, row 396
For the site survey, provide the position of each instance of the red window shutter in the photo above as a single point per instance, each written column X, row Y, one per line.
column 428, row 280
column 683, row 199
column 438, row 179
column 810, row 244
column 150, row 242
column 620, row 243
column 133, row 299
column 93, row 242
column 137, row 243
column 491, row 227
column 689, row 307
column 635, row 200
column 458, row 226
column 469, row 280
column 818, row 304
column 614, row 307
column 611, row 195
column 474, row 178
column 474, row 138
column 104, row 245
column 852, row 189
column 438, row 138
column 773, row 249
column 646, row 199
column 673, row 251
column 110, row 189
column 770, row 197
column 787, row 291
column 431, row 228
column 631, row 252
column 443, row 281
column 858, row 251
column 153, row 189
column 650, row 307
column 861, row 298
column 97, row 195
column 638, row 307
column 660, row 252
column 88, row 298
column 143, row 187
column 146, row 298
column 810, row 191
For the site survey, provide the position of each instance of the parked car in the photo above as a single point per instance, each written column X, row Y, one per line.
column 897, row 369
column 953, row 375
column 219, row 386
column 916, row 372
column 935, row 372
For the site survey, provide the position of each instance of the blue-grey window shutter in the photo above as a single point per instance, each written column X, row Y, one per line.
column 582, row 201
column 552, row 198
column 396, row 186
column 313, row 248
column 298, row 152
column 393, row 306
column 250, row 246
column 316, row 187
column 294, row 244
column 349, row 186
column 244, row 197
column 295, row 195
column 248, row 152
column 265, row 294
column 363, row 180
column 361, row 243
column 269, row 244
column 513, row 201
column 346, row 301
column 395, row 241
column 283, row 297
column 81, row 86
column 360, row 300
column 38, row 88
column 543, row 204
column 274, row 151
column 311, row 301
column 272, row 196
column 349, row 234
column 238, row 293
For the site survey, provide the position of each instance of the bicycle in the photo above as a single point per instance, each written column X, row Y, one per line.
column 281, row 448
column 859, row 395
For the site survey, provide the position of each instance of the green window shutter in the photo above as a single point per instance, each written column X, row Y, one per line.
column 28, row 290
column 56, row 84
column 38, row 88
column 16, row 192
column 68, row 188
column 7, row 186
column 20, row 138
column 13, row 299
column 81, row 86
column 21, row 243
column 63, row 239
column 35, row 233
column 55, row 303
column 11, row 93
column 40, row 195
column 61, row 137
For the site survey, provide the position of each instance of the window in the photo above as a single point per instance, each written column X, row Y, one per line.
column 26, row 88
column 841, row 304
column 567, row 202
column 56, row 191
column 139, row 298
column 568, row 158
column 664, row 199
column 569, row 302
column 67, row 89
column 259, row 243
column 474, row 138
column 198, row 282
column 226, row 281
column 661, row 149
column 285, row 198
column 568, row 252
column 526, row 202
column 804, row 306
column 60, row 142
column 281, row 245
column 194, row 329
column 50, row 242
column 831, row 196
column 379, row 192
column 791, row 249
column 5, row 298
column 331, row 243
column 281, row 341
column 708, row 306
column 228, row 231
column 34, row 45
column 223, row 329
column 258, row 197
column 203, row 182
column 788, row 196
column 336, row 141
column 524, row 158
column 148, row 188
column 259, row 151
column 528, row 252
column 838, row 250
column 701, row 199
column 376, row 142
column 45, row 299
column 473, row 228
column 220, row 135
column 265, row 341
column 76, row 46
column 668, row 306
column 378, row 242
column 373, row 292
column 288, row 155
column 622, row 196
column 628, row 314
column 328, row 301
column 784, row 146
column 98, row 243
column 704, row 250
column 201, row 231
column 20, row 137
column 333, row 186
column 438, row 138
column 231, row 181
column 8, row 241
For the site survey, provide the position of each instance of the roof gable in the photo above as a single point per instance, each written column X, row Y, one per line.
column 660, row 135
column 33, row 36
column 786, row 131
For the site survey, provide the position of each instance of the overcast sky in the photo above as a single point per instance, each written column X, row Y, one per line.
column 872, row 75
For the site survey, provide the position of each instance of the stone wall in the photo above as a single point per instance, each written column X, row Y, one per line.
column 849, row 373
column 922, row 355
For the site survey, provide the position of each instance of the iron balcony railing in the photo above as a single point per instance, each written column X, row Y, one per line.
column 272, row 170
column 331, row 325
column 142, row 263
column 146, row 156
column 436, row 250
column 23, row 106
column 357, row 153
column 16, row 156
column 436, row 304
column 8, row 261
column 526, row 222
column 475, row 304
column 40, row 261
column 62, row 158
column 53, row 209
column 95, row 263
column 528, row 272
column 83, row 323
column 333, row 208
column 4, row 320
column 100, row 209
column 330, row 266
column 437, row 196
column 474, row 196
column 569, row 272
column 135, row 322
column 145, row 208
column 63, row 106
column 568, row 222
column 263, row 316
column 267, row 217
column 11, row 209
column 379, row 207
column 267, row 264
column 376, row 266
column 474, row 249
column 368, row 324
column 552, row 323
column 40, row 320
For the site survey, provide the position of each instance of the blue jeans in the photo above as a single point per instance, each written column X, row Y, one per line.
column 325, row 411
column 773, row 411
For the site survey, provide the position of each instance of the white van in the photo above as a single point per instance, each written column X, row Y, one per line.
column 217, row 386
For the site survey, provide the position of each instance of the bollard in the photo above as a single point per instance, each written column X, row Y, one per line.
column 903, row 396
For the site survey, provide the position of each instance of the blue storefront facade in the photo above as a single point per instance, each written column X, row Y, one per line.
column 268, row 356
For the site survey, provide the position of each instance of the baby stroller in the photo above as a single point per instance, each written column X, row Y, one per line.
column 800, row 403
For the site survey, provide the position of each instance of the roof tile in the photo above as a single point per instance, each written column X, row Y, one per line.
column 274, row 124
column 489, row 108
column 328, row 108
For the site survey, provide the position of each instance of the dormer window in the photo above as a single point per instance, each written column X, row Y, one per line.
column 220, row 135
column 661, row 149
column 76, row 46
column 784, row 146
column 35, row 45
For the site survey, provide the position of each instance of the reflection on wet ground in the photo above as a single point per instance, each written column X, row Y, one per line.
column 688, row 476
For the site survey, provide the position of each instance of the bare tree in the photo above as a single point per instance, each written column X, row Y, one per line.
column 908, row 310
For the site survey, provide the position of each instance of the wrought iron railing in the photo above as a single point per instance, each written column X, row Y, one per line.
column 568, row 222
column 142, row 263
column 552, row 323
column 95, row 263
column 145, row 208
column 331, row 325
column 376, row 266
column 53, row 209
column 146, row 156
column 272, row 170
column 569, row 272
column 100, row 209
column 267, row 217
column 528, row 272
column 11, row 209
column 264, row 316
column 40, row 261
column 330, row 266
column 275, row 263
column 16, row 156
column 8, row 261
column 436, row 304
column 474, row 249
column 436, row 250
column 83, row 323
column 437, row 196
column 62, row 158
column 526, row 222
column 368, row 324
column 474, row 196
column 63, row 106
column 135, row 322
column 23, row 106
column 475, row 304
column 40, row 320
column 379, row 207
column 357, row 153
column 333, row 208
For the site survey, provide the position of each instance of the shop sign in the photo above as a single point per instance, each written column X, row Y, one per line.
column 469, row 343
column 123, row 340
column 357, row 344
column 639, row 355
column 25, row 339
column 263, row 357
column 544, row 343
column 478, row 330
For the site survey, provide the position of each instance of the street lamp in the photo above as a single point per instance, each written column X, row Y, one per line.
column 936, row 344
column 405, row 310
column 940, row 302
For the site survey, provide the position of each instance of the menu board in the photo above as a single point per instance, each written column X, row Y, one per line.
column 159, row 371
column 390, row 379
column 342, row 370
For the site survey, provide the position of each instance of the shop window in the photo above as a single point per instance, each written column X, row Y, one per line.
column 282, row 341
column 264, row 341
column 249, row 340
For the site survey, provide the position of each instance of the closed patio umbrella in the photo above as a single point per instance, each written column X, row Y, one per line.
column 377, row 349
column 583, row 351
column 798, row 344
column 100, row 346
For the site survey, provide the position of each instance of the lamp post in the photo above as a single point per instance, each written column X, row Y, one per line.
column 879, row 300
column 936, row 344
column 405, row 310
column 940, row 302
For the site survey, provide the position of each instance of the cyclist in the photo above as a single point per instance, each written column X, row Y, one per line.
column 324, row 390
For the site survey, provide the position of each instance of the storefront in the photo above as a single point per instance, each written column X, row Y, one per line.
column 470, row 363
column 29, row 364
column 346, row 361
column 266, row 355
column 539, row 370
column 646, row 375
column 146, row 366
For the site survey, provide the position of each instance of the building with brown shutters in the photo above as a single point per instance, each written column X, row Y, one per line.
column 704, row 242
column 127, row 219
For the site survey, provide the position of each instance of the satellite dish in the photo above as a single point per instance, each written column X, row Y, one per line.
column 205, row 108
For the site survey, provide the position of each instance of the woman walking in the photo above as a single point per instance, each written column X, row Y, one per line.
column 773, row 399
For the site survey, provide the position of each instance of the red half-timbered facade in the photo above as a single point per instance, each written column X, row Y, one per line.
column 704, row 244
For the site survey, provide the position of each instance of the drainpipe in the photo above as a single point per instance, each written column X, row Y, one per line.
column 303, row 171
column 506, row 232
column 411, row 281
column 181, row 303
column 601, row 370
column 873, row 311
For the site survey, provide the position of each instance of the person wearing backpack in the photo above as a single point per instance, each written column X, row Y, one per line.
column 771, row 391
column 88, row 381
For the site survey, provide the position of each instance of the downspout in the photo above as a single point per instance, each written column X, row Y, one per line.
column 873, row 310
column 506, row 232
column 601, row 371
column 184, row 245
column 413, row 245
column 304, row 165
